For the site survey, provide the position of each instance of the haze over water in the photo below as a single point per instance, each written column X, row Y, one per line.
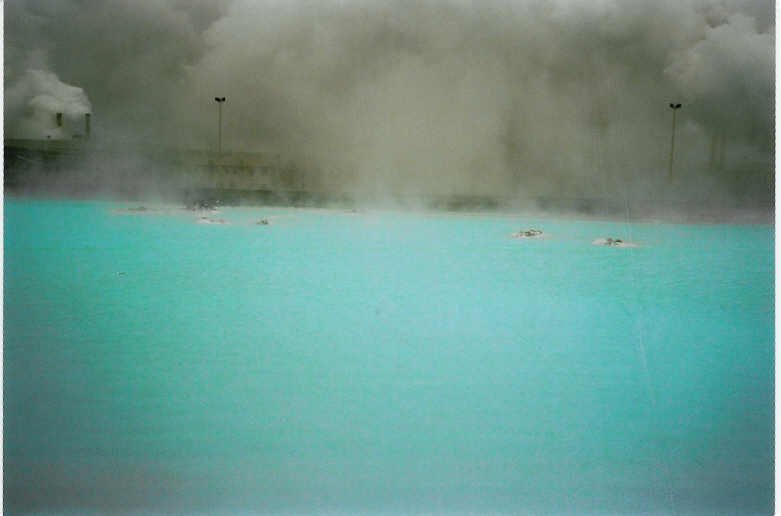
column 383, row 362
column 521, row 99
column 380, row 362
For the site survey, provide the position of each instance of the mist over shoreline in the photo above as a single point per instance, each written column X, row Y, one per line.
column 498, row 99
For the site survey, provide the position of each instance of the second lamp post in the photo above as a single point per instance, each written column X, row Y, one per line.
column 219, row 101
column 675, row 108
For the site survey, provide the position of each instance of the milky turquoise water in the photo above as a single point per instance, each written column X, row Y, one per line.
column 383, row 363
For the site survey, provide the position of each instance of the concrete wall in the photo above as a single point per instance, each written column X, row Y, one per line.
column 187, row 168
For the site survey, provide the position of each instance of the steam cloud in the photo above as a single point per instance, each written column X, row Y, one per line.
column 34, row 99
column 561, row 98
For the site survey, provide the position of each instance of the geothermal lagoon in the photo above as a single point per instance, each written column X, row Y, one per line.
column 380, row 362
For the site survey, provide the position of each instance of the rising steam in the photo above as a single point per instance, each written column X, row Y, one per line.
column 515, row 98
column 33, row 100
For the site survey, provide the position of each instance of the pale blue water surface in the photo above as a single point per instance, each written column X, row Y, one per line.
column 383, row 363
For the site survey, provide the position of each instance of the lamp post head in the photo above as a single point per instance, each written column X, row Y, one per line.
column 219, row 99
column 675, row 106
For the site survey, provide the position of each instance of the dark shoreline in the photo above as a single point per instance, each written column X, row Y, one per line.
column 582, row 208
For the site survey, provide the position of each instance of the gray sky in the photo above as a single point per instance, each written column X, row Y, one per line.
column 514, row 97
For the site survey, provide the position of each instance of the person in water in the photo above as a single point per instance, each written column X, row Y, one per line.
column 529, row 233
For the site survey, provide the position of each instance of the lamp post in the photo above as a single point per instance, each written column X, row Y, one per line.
column 219, row 101
column 675, row 108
